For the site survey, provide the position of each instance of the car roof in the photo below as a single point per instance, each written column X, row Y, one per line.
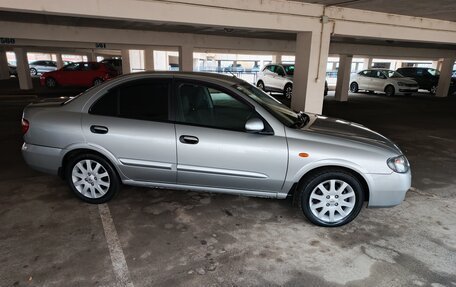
column 192, row 75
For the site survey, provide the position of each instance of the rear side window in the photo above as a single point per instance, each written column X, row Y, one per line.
column 141, row 100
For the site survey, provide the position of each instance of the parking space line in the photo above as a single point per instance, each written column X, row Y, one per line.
column 119, row 263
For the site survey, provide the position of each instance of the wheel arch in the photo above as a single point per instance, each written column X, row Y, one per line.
column 87, row 150
column 356, row 173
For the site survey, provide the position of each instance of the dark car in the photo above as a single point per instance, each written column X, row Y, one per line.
column 427, row 78
column 82, row 74
column 114, row 63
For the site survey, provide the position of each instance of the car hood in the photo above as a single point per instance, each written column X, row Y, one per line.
column 350, row 131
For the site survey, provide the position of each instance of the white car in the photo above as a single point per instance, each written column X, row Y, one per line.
column 381, row 80
column 277, row 78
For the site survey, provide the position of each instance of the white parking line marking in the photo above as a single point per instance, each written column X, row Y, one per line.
column 119, row 263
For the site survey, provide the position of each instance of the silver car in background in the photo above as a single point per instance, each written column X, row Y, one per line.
column 214, row 133
column 42, row 66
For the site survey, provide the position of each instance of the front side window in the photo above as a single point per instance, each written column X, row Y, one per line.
column 140, row 99
column 289, row 69
column 208, row 106
column 71, row 67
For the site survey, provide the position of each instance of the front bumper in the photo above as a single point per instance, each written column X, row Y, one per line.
column 42, row 158
column 388, row 189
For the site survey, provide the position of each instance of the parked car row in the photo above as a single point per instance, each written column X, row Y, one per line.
column 404, row 81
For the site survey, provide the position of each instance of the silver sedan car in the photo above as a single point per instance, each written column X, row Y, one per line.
column 214, row 133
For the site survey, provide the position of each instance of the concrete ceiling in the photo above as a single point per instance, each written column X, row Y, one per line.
column 435, row 9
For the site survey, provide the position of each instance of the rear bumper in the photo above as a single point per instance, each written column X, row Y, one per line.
column 388, row 189
column 41, row 158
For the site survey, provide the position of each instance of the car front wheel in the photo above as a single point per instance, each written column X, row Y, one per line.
column 260, row 85
column 354, row 87
column 331, row 198
column 389, row 91
column 97, row 82
column 92, row 178
column 51, row 83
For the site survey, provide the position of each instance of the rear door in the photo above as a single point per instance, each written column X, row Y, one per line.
column 131, row 122
column 213, row 148
column 364, row 80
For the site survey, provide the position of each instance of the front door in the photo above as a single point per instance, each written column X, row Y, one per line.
column 132, row 123
column 213, row 148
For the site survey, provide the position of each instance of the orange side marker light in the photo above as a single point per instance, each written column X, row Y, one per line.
column 303, row 154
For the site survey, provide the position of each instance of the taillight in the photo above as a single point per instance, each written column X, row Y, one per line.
column 25, row 126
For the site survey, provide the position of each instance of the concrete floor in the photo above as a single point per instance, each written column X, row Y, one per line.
column 171, row 238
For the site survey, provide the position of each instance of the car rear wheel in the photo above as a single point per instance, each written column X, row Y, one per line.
column 389, row 91
column 354, row 87
column 51, row 83
column 433, row 89
column 288, row 91
column 97, row 82
column 331, row 198
column 33, row 72
column 92, row 178
column 260, row 85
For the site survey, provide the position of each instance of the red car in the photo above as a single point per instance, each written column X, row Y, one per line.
column 83, row 74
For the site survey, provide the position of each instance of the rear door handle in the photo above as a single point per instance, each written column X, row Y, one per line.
column 99, row 129
column 188, row 139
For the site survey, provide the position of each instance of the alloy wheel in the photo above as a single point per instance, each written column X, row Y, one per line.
column 332, row 200
column 90, row 178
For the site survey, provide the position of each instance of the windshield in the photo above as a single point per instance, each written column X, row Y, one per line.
column 289, row 69
column 392, row 74
column 281, row 112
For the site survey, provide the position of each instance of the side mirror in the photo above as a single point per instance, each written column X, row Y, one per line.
column 254, row 125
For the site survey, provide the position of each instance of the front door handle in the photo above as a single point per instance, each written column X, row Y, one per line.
column 99, row 129
column 188, row 139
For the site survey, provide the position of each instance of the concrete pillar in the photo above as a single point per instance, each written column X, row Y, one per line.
column 343, row 77
column 186, row 58
column 439, row 65
column 277, row 58
column 310, row 68
column 4, row 70
column 91, row 57
column 59, row 60
column 149, row 64
column 445, row 77
column 367, row 63
column 126, row 61
column 23, row 69
column 435, row 64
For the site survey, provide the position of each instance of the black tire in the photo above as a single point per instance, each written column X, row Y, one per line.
column 390, row 91
column 113, row 178
column 260, row 85
column 307, row 187
column 288, row 91
column 50, row 83
column 354, row 88
column 33, row 72
column 97, row 81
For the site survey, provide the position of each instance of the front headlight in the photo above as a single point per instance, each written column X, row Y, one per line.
column 398, row 164
column 400, row 84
